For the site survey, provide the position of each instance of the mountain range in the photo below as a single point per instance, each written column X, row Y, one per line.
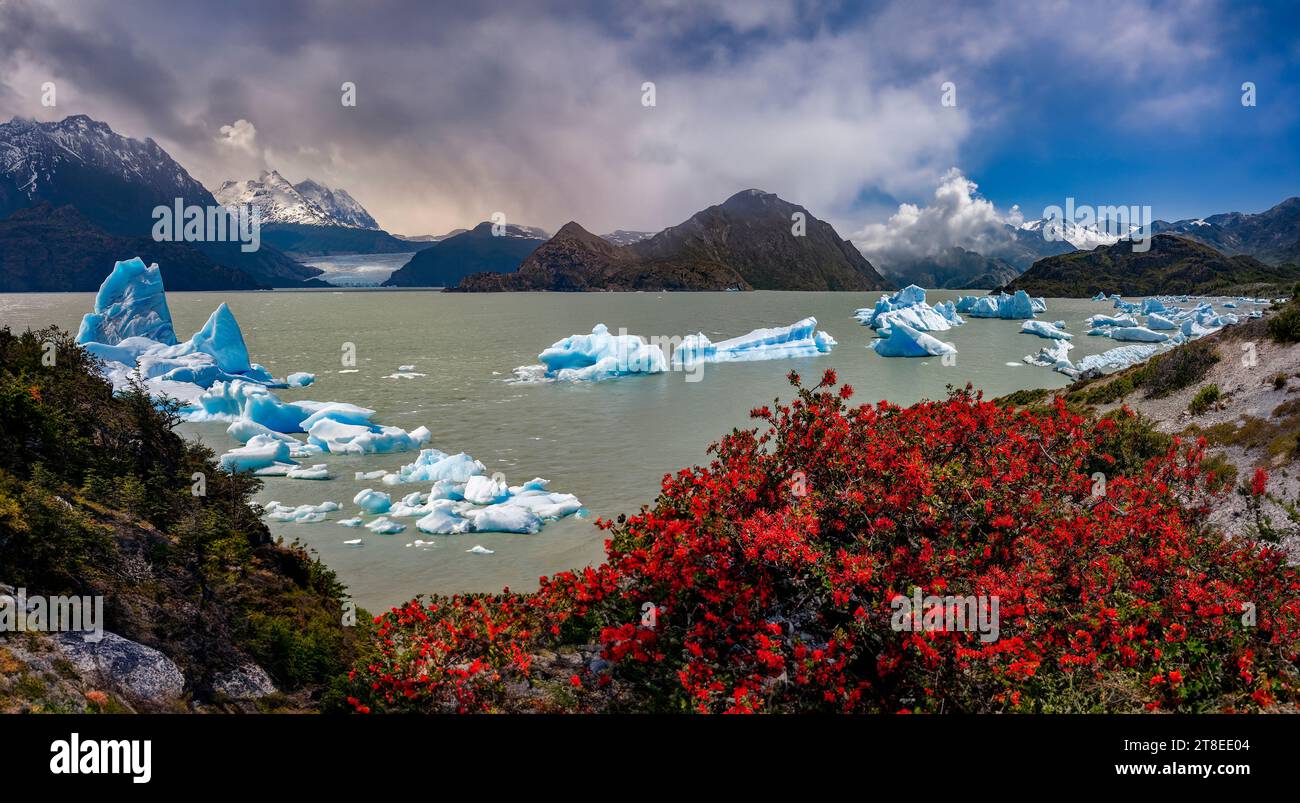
column 750, row 241
column 1172, row 265
column 1271, row 236
column 307, row 202
column 114, row 182
column 308, row 218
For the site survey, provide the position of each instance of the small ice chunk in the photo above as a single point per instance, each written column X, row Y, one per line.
column 385, row 526
column 373, row 501
column 481, row 490
column 478, row 549
column 1044, row 329
column 320, row 471
column 261, row 451
column 299, row 379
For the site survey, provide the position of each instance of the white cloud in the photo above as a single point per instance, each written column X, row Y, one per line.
column 241, row 135
column 956, row 216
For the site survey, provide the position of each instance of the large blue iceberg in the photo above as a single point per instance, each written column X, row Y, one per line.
column 597, row 356
column 1018, row 306
column 908, row 306
column 904, row 341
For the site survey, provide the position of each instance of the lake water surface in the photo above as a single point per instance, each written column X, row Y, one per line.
column 609, row 443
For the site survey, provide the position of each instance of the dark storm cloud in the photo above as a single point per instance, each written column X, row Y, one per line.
column 534, row 108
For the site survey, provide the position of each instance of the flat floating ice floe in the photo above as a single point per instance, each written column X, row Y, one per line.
column 302, row 514
column 601, row 355
column 799, row 339
column 1045, row 329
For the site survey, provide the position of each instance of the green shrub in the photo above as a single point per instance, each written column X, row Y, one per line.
column 1204, row 399
column 1284, row 326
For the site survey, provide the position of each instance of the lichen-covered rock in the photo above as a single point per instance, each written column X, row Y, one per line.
column 137, row 671
column 247, row 682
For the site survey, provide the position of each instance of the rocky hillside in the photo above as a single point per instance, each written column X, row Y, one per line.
column 202, row 610
column 1172, row 266
column 1239, row 389
column 1271, row 236
column 43, row 249
column 747, row 242
column 956, row 268
column 449, row 260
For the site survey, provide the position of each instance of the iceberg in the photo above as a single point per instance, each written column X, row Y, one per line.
column 372, row 501
column 337, row 438
column 600, row 355
column 212, row 375
column 1157, row 321
column 221, row 339
column 479, row 549
column 1012, row 307
column 1116, row 358
column 434, row 466
column 1099, row 297
column 299, row 379
column 1044, row 329
column 302, row 514
column 1136, row 333
column 353, row 522
column 1055, row 356
column 504, row 518
column 799, row 339
column 130, row 303
column 385, row 526
column 904, row 341
column 1098, row 321
column 443, row 519
column 908, row 306
column 261, row 451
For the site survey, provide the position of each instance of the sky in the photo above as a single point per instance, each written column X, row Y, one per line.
column 538, row 110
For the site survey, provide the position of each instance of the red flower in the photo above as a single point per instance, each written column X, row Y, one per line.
column 1258, row 482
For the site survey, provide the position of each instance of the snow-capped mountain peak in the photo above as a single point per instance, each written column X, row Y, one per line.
column 33, row 154
column 1080, row 236
column 309, row 202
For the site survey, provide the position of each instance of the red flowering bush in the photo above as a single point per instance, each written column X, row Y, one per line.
column 768, row 580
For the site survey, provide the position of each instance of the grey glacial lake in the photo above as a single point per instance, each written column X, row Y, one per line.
column 610, row 443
